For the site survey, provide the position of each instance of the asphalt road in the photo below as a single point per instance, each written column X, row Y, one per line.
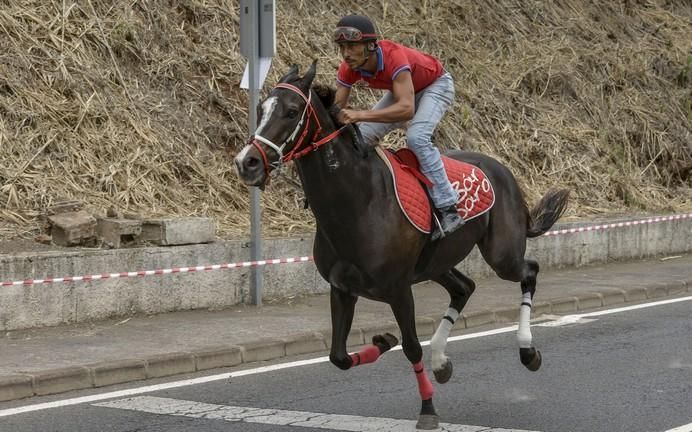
column 625, row 371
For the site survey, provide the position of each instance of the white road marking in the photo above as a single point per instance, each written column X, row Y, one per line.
column 338, row 422
column 685, row 428
column 225, row 376
column 564, row 321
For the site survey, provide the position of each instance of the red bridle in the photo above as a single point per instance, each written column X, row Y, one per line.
column 299, row 149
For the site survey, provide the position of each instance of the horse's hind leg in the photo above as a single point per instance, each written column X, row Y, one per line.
column 504, row 252
column 404, row 312
column 525, row 273
column 530, row 356
column 460, row 289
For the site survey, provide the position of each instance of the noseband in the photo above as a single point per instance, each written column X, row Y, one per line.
column 302, row 147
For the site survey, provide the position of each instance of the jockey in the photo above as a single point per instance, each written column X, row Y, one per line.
column 418, row 94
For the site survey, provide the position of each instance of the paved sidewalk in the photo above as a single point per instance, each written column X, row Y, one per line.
column 58, row 359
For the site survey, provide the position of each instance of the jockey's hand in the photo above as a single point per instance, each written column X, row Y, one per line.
column 347, row 116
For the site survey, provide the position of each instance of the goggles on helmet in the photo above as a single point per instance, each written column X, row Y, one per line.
column 351, row 34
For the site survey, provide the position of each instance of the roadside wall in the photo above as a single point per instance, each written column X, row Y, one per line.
column 37, row 305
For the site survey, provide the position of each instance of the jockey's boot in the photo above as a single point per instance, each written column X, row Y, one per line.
column 450, row 221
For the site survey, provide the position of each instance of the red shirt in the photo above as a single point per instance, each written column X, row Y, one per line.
column 392, row 58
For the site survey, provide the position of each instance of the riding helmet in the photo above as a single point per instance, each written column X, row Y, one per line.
column 359, row 22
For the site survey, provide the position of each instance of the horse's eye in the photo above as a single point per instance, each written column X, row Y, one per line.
column 292, row 113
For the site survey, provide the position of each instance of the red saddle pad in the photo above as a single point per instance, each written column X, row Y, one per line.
column 476, row 194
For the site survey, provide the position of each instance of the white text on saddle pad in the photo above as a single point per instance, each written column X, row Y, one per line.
column 468, row 188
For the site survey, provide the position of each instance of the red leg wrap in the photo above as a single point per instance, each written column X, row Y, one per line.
column 367, row 355
column 425, row 387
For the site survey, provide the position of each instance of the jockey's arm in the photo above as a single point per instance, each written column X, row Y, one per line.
column 341, row 96
column 403, row 107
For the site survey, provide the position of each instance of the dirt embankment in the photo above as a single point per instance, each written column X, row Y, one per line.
column 137, row 104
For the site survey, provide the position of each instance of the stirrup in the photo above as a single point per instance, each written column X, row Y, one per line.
column 437, row 232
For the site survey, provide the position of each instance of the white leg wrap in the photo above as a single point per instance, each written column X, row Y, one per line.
column 438, row 343
column 524, row 333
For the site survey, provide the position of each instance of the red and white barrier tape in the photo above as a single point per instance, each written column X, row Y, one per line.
column 156, row 272
column 619, row 224
column 247, row 264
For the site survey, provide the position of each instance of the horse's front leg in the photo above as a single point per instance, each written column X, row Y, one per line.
column 404, row 312
column 343, row 306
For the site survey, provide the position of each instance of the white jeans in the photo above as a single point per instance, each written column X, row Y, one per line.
column 431, row 105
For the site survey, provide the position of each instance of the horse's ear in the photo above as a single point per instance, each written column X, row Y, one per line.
column 291, row 75
column 309, row 75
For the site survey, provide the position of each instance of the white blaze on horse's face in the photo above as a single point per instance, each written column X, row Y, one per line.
column 267, row 111
column 247, row 162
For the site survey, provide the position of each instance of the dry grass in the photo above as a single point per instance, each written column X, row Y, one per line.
column 137, row 104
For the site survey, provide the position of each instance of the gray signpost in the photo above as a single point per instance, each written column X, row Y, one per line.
column 258, row 45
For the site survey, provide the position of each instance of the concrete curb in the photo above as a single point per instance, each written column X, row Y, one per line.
column 55, row 381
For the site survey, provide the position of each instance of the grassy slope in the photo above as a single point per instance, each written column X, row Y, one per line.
column 136, row 104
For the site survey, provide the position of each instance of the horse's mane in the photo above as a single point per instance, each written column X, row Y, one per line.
column 326, row 94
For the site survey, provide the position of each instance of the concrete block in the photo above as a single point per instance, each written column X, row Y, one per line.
column 538, row 309
column 169, row 364
column 477, row 319
column 657, row 291
column 213, row 358
column 116, row 232
column 116, row 372
column 15, row 387
column 264, row 349
column 563, row 305
column 62, row 380
column 179, row 231
column 612, row 297
column 72, row 228
column 304, row 344
column 589, row 301
column 635, row 294
column 677, row 287
column 508, row 314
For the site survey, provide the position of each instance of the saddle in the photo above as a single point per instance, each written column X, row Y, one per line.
column 476, row 194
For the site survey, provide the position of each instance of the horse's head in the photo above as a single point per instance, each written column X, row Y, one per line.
column 287, row 123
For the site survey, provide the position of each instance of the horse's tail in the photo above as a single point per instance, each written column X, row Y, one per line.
column 548, row 210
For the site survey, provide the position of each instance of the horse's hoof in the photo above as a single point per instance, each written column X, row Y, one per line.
column 444, row 373
column 428, row 422
column 385, row 342
column 531, row 358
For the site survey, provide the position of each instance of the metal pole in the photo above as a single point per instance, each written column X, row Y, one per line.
column 255, row 209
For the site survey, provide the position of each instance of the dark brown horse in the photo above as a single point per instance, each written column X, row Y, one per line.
column 365, row 246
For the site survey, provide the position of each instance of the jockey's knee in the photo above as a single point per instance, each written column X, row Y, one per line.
column 343, row 362
column 418, row 142
column 428, row 155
